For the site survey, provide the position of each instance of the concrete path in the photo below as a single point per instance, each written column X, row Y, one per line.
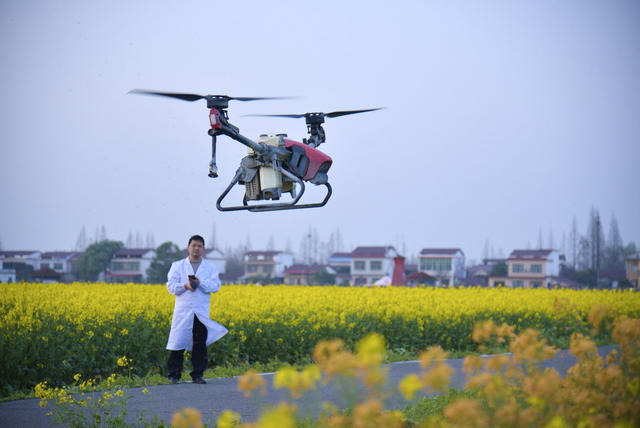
column 222, row 394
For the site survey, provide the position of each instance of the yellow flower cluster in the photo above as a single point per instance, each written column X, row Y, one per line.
column 510, row 389
column 45, row 326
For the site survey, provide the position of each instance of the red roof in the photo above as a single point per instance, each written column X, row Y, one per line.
column 419, row 277
column 45, row 272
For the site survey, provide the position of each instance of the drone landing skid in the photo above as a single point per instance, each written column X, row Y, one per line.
column 274, row 206
column 288, row 206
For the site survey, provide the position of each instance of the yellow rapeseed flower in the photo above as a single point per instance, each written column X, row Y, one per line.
column 187, row 418
column 409, row 386
column 228, row 419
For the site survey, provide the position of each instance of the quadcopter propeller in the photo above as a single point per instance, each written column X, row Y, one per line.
column 317, row 117
column 213, row 101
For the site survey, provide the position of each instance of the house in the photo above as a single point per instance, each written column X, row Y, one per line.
column 7, row 275
column 633, row 270
column 216, row 257
column 531, row 269
column 31, row 258
column 61, row 262
column 369, row 264
column 341, row 264
column 445, row 264
column 415, row 279
column 266, row 264
column 46, row 275
column 478, row 275
column 129, row 265
column 306, row 274
column 22, row 262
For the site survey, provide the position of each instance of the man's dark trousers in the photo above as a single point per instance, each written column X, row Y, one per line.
column 198, row 354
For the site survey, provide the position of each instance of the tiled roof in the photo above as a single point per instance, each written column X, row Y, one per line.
column 419, row 276
column 132, row 252
column 18, row 253
column 57, row 254
column 530, row 254
column 370, row 252
column 45, row 272
column 262, row 253
column 340, row 256
column 439, row 251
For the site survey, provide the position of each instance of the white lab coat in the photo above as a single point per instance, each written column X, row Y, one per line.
column 190, row 303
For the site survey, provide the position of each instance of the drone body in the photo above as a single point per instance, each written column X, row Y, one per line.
column 274, row 165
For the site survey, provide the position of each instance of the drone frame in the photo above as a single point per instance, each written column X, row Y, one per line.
column 273, row 155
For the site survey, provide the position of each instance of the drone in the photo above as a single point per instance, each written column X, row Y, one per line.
column 274, row 165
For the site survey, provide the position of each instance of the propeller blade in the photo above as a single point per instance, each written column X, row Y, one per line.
column 332, row 114
column 261, row 98
column 293, row 116
column 185, row 97
column 345, row 112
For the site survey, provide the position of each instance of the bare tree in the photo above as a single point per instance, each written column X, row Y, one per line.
column 614, row 253
column 81, row 242
column 573, row 242
column 595, row 236
column 485, row 250
column 540, row 243
column 151, row 240
column 213, row 243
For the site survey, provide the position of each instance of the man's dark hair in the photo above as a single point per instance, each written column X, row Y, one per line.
column 196, row 238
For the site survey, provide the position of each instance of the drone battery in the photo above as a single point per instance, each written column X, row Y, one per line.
column 252, row 189
column 270, row 182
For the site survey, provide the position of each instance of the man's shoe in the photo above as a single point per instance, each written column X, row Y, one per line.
column 173, row 379
column 199, row 380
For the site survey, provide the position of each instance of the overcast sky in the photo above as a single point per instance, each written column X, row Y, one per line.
column 502, row 119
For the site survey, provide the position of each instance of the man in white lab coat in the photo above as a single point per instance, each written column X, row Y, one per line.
column 192, row 280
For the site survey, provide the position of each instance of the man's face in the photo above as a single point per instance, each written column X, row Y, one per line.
column 195, row 249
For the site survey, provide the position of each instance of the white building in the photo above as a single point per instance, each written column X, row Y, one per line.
column 7, row 275
column 447, row 265
column 369, row 264
column 31, row 258
column 531, row 269
column 129, row 265
column 63, row 262
column 217, row 258
column 266, row 264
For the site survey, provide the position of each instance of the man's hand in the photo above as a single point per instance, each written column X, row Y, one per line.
column 193, row 280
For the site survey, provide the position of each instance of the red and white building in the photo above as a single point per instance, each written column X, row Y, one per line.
column 369, row 264
column 531, row 269
column 266, row 264
column 447, row 265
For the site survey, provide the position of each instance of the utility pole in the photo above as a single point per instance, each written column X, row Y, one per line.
column 598, row 251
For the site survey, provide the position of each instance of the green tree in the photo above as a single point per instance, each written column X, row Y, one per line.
column 500, row 269
column 166, row 253
column 96, row 259
column 323, row 277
